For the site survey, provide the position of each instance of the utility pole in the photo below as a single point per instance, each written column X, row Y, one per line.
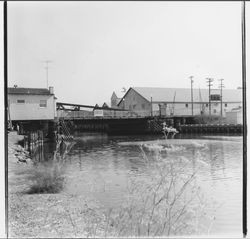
column 47, row 71
column 173, row 103
column 151, row 99
column 221, row 85
column 192, row 100
column 209, row 81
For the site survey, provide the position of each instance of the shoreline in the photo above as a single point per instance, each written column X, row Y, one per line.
column 46, row 215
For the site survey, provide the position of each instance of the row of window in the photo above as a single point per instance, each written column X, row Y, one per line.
column 143, row 106
column 215, row 97
column 207, row 105
column 42, row 104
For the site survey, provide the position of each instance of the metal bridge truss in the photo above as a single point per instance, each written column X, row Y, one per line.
column 77, row 107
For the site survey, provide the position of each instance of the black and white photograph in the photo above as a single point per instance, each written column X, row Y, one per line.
column 125, row 119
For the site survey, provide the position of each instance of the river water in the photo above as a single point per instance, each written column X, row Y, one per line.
column 103, row 166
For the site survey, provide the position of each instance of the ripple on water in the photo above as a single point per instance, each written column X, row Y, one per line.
column 102, row 166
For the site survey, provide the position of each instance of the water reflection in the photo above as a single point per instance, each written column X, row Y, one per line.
column 102, row 165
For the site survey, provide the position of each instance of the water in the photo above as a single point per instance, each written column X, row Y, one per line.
column 103, row 166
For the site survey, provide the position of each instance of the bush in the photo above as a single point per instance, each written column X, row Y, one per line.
column 46, row 177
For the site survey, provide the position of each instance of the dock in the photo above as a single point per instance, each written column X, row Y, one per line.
column 149, row 125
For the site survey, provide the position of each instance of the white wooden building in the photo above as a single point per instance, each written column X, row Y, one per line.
column 31, row 104
column 177, row 101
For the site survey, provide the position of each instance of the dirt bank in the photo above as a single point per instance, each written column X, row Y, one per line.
column 46, row 215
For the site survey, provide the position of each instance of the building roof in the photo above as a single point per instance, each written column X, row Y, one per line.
column 114, row 95
column 29, row 91
column 184, row 94
column 105, row 105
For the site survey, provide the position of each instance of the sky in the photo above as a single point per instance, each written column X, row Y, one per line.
column 96, row 48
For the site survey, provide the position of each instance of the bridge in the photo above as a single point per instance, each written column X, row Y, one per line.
column 75, row 111
column 114, row 120
column 77, row 107
column 70, row 111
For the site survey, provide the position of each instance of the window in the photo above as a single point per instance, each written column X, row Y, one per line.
column 143, row 106
column 215, row 97
column 43, row 103
column 214, row 110
column 225, row 105
column 186, row 105
column 20, row 101
column 206, row 105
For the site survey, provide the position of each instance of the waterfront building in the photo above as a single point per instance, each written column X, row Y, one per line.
column 177, row 101
column 114, row 100
column 96, row 106
column 234, row 116
column 33, row 107
column 105, row 105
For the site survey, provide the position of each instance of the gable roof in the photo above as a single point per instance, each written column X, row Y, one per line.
column 29, row 91
column 114, row 95
column 184, row 94
column 105, row 105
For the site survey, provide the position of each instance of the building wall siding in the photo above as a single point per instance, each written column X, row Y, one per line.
column 181, row 109
column 135, row 102
column 31, row 110
column 234, row 117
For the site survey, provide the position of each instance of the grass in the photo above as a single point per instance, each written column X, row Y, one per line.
column 168, row 203
column 46, row 177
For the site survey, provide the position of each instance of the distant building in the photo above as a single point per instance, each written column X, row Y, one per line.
column 234, row 116
column 96, row 107
column 177, row 101
column 114, row 100
column 31, row 103
column 105, row 106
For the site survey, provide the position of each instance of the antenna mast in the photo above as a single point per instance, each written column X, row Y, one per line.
column 47, row 71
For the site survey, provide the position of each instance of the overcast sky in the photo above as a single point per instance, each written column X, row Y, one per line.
column 99, row 47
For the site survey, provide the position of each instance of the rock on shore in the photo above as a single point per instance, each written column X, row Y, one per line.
column 15, row 150
column 46, row 215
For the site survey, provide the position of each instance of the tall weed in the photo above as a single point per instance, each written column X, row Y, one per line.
column 46, row 177
column 167, row 203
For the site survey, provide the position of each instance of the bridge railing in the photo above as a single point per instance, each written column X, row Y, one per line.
column 106, row 114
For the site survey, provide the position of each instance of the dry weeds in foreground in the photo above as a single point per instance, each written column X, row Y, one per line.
column 166, row 203
column 169, row 204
